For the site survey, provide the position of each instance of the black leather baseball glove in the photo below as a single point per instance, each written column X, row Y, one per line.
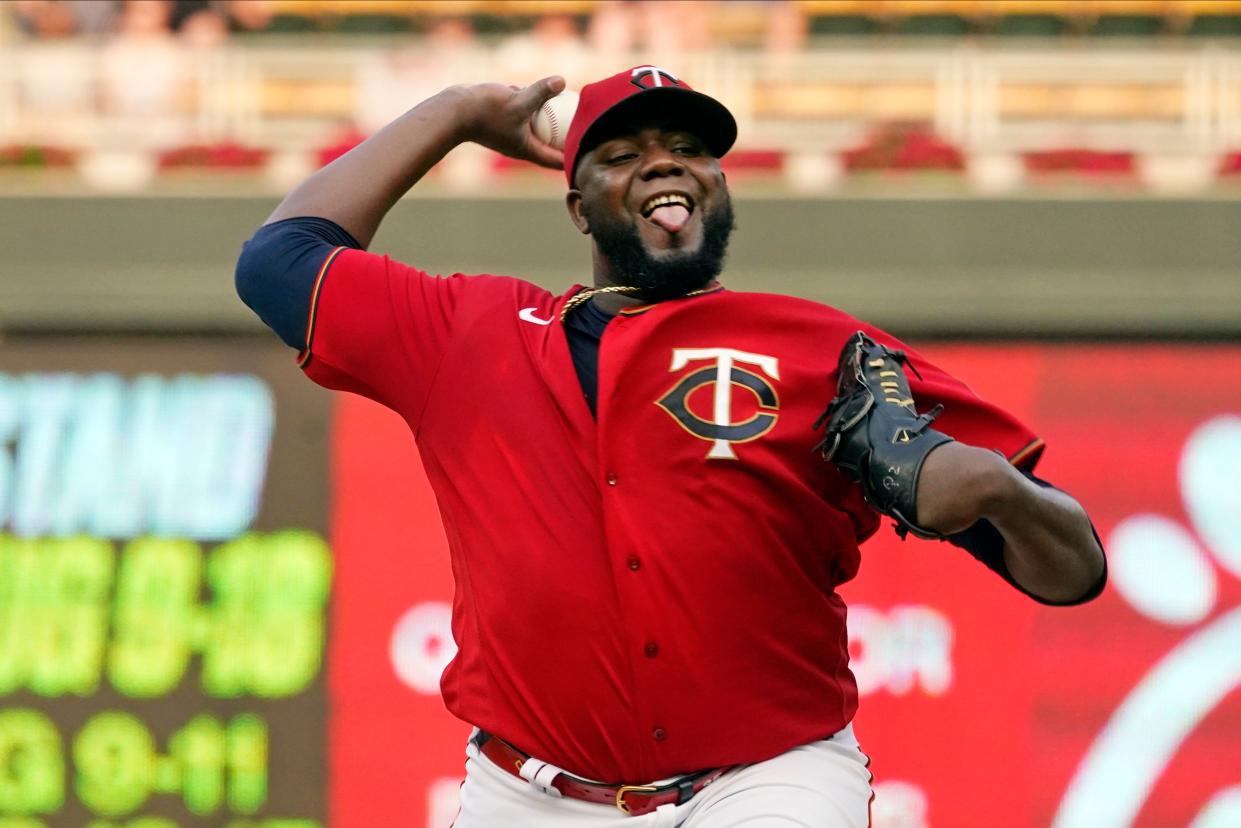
column 874, row 433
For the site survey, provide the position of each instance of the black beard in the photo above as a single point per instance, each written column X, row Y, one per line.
column 674, row 275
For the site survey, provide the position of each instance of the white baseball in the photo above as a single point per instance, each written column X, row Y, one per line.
column 551, row 122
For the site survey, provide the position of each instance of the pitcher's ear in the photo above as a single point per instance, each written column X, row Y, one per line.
column 573, row 201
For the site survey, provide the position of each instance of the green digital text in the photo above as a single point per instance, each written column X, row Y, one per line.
column 74, row 612
column 212, row 765
column 32, row 764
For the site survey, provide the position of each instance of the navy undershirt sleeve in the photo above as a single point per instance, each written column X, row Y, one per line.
column 984, row 542
column 277, row 269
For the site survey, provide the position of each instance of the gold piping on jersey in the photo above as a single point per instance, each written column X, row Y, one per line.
column 304, row 357
column 1023, row 453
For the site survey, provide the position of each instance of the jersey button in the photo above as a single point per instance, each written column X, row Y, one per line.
column 659, row 734
column 651, row 649
column 612, row 478
column 635, row 563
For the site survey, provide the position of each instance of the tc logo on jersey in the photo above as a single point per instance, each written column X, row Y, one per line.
column 723, row 373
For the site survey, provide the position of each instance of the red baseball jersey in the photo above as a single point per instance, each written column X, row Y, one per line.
column 652, row 592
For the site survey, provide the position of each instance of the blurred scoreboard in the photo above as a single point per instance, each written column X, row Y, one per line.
column 164, row 584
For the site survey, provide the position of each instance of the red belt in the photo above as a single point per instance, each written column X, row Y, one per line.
column 633, row 800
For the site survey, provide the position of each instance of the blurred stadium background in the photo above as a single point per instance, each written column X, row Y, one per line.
column 1044, row 196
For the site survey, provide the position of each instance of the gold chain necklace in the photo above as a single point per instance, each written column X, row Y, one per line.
column 579, row 299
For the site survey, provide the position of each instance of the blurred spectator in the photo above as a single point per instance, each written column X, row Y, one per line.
column 200, row 25
column 613, row 30
column 663, row 31
column 250, row 15
column 392, row 81
column 787, row 26
column 552, row 46
column 94, row 17
column 45, row 18
column 205, row 19
column 669, row 30
column 182, row 10
column 141, row 68
column 55, row 77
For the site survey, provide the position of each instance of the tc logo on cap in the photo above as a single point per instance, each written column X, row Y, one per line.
column 649, row 77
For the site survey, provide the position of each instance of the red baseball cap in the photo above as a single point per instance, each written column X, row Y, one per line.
column 644, row 91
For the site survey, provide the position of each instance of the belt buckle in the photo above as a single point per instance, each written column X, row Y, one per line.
column 625, row 789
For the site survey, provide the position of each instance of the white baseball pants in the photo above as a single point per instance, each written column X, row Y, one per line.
column 823, row 784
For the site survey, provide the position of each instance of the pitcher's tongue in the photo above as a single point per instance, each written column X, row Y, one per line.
column 671, row 217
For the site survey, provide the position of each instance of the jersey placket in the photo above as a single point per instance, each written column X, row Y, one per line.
column 632, row 558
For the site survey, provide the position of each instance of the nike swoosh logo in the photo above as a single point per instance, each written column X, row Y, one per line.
column 527, row 315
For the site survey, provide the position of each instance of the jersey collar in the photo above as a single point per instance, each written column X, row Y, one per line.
column 640, row 309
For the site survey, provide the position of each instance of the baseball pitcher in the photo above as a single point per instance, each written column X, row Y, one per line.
column 652, row 486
